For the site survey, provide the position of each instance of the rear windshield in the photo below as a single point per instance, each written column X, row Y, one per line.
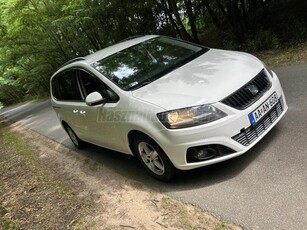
column 145, row 62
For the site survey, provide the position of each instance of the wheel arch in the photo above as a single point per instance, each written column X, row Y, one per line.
column 133, row 133
column 170, row 169
column 64, row 124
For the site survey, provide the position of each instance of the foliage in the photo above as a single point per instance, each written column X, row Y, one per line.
column 38, row 36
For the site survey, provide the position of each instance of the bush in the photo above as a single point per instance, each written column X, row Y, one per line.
column 11, row 94
column 261, row 41
column 291, row 30
column 280, row 25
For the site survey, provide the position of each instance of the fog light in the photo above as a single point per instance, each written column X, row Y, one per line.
column 205, row 154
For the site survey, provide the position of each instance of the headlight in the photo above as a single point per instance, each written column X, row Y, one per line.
column 188, row 117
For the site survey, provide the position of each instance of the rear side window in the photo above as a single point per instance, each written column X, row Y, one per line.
column 65, row 87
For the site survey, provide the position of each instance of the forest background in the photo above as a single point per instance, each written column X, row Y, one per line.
column 38, row 36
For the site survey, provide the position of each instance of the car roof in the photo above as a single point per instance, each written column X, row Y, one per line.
column 108, row 51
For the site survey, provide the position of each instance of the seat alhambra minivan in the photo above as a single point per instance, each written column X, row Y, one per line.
column 172, row 104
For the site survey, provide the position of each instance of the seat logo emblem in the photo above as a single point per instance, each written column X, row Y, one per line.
column 253, row 89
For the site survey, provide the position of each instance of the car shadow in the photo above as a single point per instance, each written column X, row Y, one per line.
column 129, row 167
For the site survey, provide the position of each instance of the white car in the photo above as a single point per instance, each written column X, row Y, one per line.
column 172, row 104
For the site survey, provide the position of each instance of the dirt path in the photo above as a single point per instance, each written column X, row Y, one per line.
column 74, row 192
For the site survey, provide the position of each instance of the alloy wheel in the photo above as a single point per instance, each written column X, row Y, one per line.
column 151, row 158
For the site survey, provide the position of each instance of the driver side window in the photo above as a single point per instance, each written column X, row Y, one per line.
column 90, row 84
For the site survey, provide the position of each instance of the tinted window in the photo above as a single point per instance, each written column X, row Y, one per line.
column 91, row 84
column 65, row 87
column 55, row 88
column 147, row 61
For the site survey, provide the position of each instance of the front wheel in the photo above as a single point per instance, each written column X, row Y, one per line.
column 153, row 158
column 74, row 138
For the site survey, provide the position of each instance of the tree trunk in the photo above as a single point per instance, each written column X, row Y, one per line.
column 182, row 30
column 188, row 5
column 213, row 16
column 222, row 9
column 169, row 16
column 233, row 17
column 89, row 37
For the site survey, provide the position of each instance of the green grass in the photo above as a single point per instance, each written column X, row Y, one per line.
column 2, row 211
column 10, row 225
column 191, row 218
column 21, row 148
column 40, row 185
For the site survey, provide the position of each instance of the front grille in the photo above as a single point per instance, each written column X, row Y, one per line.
column 249, row 135
column 244, row 97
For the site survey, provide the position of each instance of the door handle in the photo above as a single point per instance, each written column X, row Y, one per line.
column 75, row 111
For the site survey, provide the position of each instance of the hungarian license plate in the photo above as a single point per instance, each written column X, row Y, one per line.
column 263, row 109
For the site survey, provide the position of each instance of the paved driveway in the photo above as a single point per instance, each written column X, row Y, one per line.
column 264, row 189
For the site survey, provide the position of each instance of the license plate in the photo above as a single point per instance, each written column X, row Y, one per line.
column 263, row 109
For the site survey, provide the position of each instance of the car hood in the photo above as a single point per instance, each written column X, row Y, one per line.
column 207, row 79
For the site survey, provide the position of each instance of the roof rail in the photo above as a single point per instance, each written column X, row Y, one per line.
column 130, row 38
column 73, row 60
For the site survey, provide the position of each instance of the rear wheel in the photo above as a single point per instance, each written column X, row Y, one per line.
column 74, row 138
column 153, row 158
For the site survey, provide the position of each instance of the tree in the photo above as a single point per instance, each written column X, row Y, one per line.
column 38, row 36
column 172, row 4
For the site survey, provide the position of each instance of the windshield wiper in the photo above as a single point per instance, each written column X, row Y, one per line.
column 139, row 85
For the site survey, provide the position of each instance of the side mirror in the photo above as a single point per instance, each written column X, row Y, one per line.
column 112, row 96
column 94, row 98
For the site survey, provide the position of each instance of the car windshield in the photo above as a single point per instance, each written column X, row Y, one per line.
column 145, row 62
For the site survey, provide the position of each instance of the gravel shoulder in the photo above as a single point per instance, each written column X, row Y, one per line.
column 45, row 185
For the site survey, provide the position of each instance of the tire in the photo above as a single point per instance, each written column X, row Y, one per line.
column 74, row 138
column 153, row 158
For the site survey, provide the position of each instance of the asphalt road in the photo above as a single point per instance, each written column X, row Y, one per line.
column 264, row 189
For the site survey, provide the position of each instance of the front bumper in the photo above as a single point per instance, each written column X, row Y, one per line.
column 228, row 131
